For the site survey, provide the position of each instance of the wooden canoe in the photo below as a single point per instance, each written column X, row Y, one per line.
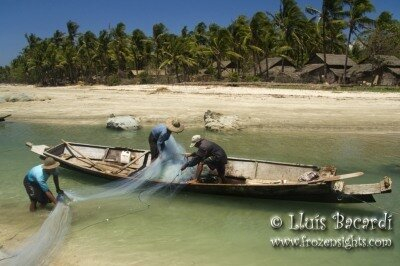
column 246, row 177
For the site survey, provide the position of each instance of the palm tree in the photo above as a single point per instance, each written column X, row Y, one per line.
column 72, row 28
column 357, row 21
column 177, row 53
column 291, row 23
column 53, row 64
column 138, row 41
column 330, row 10
column 58, row 38
column 69, row 51
column 159, row 33
column 200, row 33
column 241, row 35
column 262, row 39
column 32, row 40
column 102, row 57
column 220, row 46
column 70, row 55
column 119, row 47
column 385, row 38
column 87, row 44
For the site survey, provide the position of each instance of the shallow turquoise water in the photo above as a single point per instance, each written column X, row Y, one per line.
column 195, row 229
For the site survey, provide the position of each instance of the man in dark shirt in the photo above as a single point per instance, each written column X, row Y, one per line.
column 208, row 153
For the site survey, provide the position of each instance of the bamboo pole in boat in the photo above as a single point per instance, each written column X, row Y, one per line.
column 129, row 164
column 90, row 161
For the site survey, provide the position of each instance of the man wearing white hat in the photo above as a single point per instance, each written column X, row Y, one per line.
column 208, row 153
column 161, row 133
column 36, row 186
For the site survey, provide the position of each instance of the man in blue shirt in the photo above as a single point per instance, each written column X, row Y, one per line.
column 161, row 133
column 36, row 186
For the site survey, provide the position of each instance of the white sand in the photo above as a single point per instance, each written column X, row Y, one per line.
column 275, row 109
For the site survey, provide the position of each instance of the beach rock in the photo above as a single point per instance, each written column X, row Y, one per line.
column 22, row 97
column 214, row 121
column 123, row 122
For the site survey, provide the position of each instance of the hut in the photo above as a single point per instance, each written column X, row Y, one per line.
column 313, row 71
column 276, row 66
column 362, row 74
column 227, row 67
column 378, row 70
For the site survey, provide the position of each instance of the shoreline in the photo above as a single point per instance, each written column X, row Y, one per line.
column 275, row 109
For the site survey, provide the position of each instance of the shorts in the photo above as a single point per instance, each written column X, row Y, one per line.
column 216, row 164
column 35, row 193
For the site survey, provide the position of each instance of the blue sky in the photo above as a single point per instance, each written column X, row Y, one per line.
column 44, row 17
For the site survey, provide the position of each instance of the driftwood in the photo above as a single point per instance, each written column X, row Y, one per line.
column 3, row 118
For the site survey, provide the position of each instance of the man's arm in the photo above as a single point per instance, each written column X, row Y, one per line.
column 55, row 179
column 160, row 142
column 43, row 185
column 195, row 160
column 192, row 154
column 51, row 196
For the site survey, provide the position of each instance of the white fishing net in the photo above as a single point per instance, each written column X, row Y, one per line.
column 38, row 249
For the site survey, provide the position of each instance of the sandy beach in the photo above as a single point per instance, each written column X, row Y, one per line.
column 267, row 108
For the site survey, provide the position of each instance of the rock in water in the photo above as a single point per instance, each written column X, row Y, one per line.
column 123, row 123
column 214, row 121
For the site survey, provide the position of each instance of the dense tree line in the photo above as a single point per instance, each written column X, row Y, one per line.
column 71, row 56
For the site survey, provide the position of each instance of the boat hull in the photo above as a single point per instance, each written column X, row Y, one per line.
column 247, row 178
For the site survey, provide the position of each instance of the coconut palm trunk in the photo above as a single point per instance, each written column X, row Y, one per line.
column 267, row 67
column 324, row 46
column 347, row 55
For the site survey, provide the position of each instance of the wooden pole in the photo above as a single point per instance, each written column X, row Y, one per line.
column 73, row 149
column 129, row 164
column 336, row 178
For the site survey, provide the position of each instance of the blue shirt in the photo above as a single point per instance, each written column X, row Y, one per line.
column 161, row 134
column 39, row 176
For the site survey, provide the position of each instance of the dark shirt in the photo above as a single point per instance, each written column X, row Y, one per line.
column 205, row 150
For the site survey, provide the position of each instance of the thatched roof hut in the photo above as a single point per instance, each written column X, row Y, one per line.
column 332, row 60
column 274, row 62
column 383, row 60
column 313, row 71
column 226, row 64
column 377, row 70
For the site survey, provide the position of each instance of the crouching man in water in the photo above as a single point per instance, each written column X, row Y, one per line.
column 208, row 153
column 36, row 186
column 161, row 133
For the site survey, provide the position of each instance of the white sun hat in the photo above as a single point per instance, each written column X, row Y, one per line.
column 195, row 139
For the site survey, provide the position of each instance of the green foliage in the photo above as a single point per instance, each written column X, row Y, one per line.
column 233, row 77
column 69, row 56
column 4, row 74
column 252, row 79
column 144, row 78
column 113, row 80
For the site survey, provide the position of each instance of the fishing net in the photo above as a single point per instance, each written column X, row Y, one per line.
column 165, row 170
column 39, row 248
